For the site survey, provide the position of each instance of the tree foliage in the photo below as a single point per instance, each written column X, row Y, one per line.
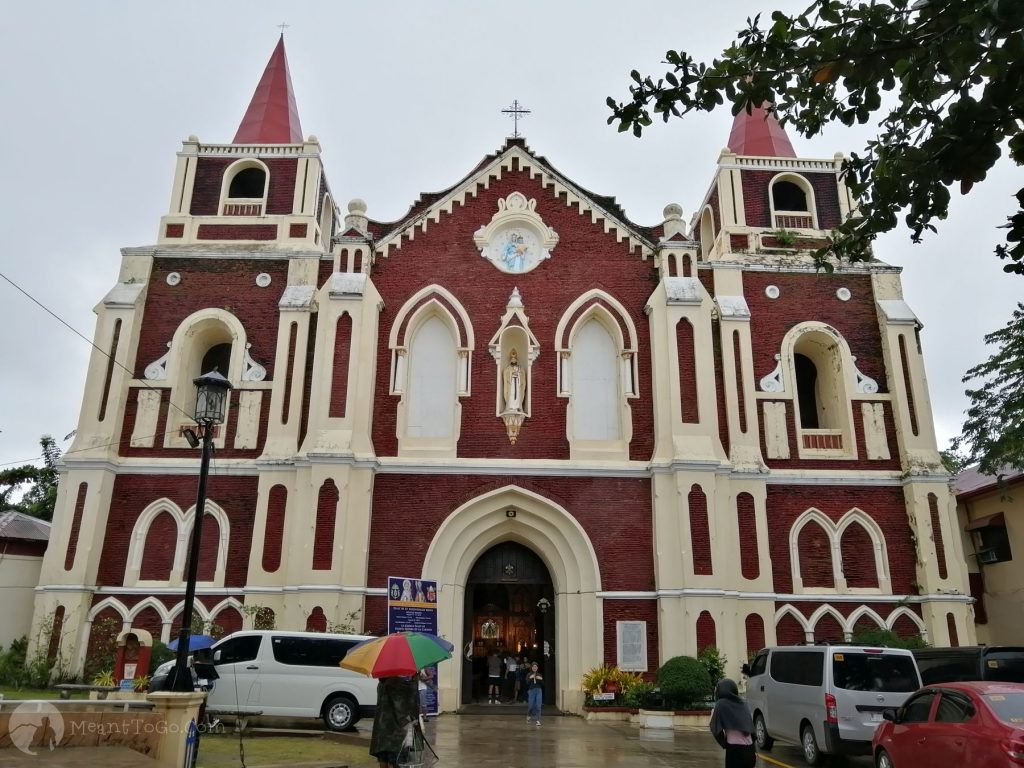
column 993, row 431
column 40, row 498
column 954, row 70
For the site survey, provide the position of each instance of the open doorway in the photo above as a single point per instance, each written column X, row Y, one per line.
column 509, row 610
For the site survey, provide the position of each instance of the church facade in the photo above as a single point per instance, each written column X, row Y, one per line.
column 606, row 442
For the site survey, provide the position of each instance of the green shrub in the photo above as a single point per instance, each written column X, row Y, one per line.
column 17, row 670
column 714, row 662
column 888, row 639
column 684, row 682
column 160, row 654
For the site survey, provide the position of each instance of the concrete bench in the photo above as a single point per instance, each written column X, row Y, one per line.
column 66, row 689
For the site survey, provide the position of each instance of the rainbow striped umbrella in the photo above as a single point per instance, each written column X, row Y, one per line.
column 397, row 655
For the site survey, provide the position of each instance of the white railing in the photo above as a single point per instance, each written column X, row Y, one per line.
column 242, row 208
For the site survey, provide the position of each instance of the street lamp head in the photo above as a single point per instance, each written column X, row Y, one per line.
column 211, row 397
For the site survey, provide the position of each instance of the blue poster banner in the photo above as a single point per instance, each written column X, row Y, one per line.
column 412, row 607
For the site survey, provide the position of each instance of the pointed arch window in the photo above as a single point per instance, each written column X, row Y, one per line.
column 847, row 556
column 597, row 371
column 431, row 343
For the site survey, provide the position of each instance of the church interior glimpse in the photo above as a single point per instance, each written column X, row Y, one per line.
column 509, row 611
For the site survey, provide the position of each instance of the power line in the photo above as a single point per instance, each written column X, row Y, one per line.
column 106, row 354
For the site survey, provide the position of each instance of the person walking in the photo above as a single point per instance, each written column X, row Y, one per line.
column 511, row 665
column 732, row 726
column 534, row 693
column 398, row 707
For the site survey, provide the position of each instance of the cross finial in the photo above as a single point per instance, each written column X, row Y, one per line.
column 516, row 110
column 282, row 26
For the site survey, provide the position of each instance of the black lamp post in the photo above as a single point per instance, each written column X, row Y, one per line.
column 211, row 398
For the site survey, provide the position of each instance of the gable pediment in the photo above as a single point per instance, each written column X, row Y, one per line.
column 514, row 158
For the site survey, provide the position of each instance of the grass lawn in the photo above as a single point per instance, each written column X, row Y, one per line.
column 221, row 751
column 20, row 694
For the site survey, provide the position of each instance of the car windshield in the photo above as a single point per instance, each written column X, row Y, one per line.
column 1009, row 707
column 856, row 671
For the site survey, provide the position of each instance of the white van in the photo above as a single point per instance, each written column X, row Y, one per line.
column 291, row 674
column 828, row 699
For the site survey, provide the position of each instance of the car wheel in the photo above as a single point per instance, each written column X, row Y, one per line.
column 882, row 759
column 810, row 744
column 761, row 737
column 340, row 713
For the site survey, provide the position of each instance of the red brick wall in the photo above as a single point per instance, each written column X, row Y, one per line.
column 614, row 512
column 687, row 372
column 210, row 176
column 274, row 534
column 585, row 258
column 133, row 493
column 326, row 513
column 339, row 377
column 828, row 630
column 208, row 549
column 812, row 297
column 236, row 232
column 754, row 627
column 76, row 524
column 885, row 505
column 746, row 523
column 815, row 556
column 788, row 631
column 229, row 620
column 706, row 635
column 158, row 553
column 858, row 553
column 940, row 549
column 700, row 533
column 316, row 621
column 757, row 204
column 631, row 610
column 149, row 620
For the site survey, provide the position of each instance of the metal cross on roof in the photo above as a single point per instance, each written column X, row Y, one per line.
column 516, row 111
column 282, row 26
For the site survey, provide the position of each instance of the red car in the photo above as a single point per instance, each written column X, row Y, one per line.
column 968, row 725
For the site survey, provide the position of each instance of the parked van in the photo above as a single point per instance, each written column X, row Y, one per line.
column 826, row 698
column 291, row 674
column 997, row 663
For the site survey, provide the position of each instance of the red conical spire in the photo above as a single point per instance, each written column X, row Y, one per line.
column 759, row 134
column 272, row 117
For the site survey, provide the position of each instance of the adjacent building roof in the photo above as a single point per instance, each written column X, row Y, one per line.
column 272, row 117
column 971, row 481
column 16, row 525
column 759, row 134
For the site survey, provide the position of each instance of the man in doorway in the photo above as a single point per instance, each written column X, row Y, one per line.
column 493, row 676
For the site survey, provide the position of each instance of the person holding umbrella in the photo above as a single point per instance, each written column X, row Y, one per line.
column 398, row 707
column 396, row 660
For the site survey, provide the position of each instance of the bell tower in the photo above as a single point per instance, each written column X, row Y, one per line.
column 267, row 185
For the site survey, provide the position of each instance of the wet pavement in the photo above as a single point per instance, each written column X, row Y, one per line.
column 508, row 741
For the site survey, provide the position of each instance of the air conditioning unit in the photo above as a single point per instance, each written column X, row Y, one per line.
column 988, row 556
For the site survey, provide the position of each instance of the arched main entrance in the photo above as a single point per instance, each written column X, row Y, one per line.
column 544, row 527
column 509, row 609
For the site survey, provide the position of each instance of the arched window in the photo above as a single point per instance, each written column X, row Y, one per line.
column 597, row 370
column 707, row 233
column 806, row 390
column 595, row 399
column 431, row 343
column 792, row 202
column 432, row 376
column 248, row 182
column 244, row 191
column 217, row 358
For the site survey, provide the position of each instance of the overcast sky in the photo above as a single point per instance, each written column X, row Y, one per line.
column 405, row 98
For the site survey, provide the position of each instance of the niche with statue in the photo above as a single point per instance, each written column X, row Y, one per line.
column 514, row 349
